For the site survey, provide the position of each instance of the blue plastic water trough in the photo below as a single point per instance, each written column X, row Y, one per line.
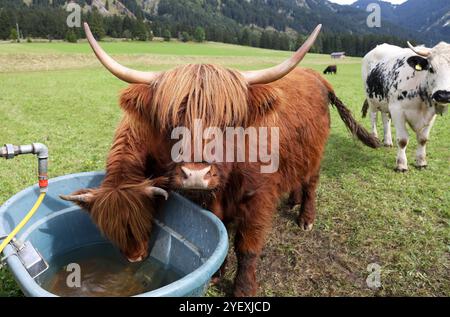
column 186, row 237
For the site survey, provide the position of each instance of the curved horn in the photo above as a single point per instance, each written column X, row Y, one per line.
column 155, row 191
column 123, row 73
column 422, row 51
column 266, row 76
column 84, row 198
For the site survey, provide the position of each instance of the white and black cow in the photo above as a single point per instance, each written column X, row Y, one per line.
column 410, row 85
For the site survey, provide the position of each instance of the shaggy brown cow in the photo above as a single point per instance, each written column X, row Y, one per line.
column 248, row 198
column 140, row 158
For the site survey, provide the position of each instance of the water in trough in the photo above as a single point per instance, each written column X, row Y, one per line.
column 104, row 272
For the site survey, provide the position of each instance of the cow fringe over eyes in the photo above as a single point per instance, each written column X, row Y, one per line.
column 124, row 215
column 211, row 93
column 355, row 128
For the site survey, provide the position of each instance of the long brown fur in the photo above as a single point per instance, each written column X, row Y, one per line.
column 215, row 95
column 121, row 208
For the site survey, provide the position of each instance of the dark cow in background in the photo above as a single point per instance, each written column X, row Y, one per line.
column 140, row 166
column 331, row 69
column 410, row 85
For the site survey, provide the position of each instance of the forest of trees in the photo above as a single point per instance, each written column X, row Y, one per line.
column 44, row 20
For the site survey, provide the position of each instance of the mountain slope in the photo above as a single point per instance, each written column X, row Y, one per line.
column 428, row 18
column 277, row 24
column 300, row 15
column 423, row 20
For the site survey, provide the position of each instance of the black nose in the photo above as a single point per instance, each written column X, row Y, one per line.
column 442, row 96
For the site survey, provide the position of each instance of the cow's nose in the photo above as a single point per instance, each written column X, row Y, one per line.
column 195, row 179
column 442, row 96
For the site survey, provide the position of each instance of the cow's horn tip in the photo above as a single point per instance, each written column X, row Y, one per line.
column 64, row 197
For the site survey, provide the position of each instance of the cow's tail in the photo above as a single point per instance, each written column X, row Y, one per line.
column 355, row 128
column 365, row 108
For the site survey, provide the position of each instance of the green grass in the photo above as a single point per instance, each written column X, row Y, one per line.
column 59, row 95
column 160, row 48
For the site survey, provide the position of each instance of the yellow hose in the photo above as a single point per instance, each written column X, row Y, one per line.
column 22, row 223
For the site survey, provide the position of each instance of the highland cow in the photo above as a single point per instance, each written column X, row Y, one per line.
column 140, row 161
column 242, row 195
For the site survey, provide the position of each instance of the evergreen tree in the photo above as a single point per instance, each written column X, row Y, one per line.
column 244, row 38
column 184, row 37
column 140, row 31
column 284, row 42
column 166, row 35
column 255, row 37
column 5, row 24
column 199, row 34
column 96, row 25
column 127, row 34
column 13, row 36
column 265, row 41
column 71, row 36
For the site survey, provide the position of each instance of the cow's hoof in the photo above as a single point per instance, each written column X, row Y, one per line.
column 308, row 228
column 421, row 167
column 400, row 169
column 296, row 208
column 305, row 225
column 389, row 145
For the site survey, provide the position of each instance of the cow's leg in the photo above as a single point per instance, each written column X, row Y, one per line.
column 249, row 240
column 248, row 246
column 387, row 129
column 422, row 139
column 398, row 117
column 295, row 198
column 307, row 214
column 373, row 121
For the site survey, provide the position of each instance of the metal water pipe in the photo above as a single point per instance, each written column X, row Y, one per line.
column 9, row 151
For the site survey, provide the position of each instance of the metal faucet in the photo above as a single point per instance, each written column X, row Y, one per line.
column 9, row 151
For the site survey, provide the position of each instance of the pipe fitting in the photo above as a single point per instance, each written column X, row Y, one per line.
column 10, row 151
column 40, row 150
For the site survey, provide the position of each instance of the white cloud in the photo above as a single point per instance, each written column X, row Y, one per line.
column 351, row 1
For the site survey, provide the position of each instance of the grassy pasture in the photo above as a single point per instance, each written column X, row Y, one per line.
column 57, row 93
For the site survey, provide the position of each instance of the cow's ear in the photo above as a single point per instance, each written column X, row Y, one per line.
column 262, row 100
column 418, row 63
column 136, row 99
